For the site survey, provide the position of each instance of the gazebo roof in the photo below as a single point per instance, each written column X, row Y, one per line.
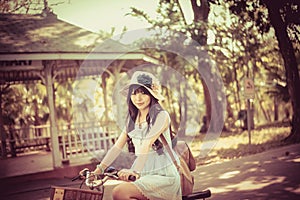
column 26, row 40
column 22, row 33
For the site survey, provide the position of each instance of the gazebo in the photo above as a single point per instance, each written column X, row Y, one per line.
column 43, row 48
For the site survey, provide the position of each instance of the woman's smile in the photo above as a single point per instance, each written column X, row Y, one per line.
column 141, row 105
column 140, row 99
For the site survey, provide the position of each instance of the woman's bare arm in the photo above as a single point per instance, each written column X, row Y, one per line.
column 113, row 153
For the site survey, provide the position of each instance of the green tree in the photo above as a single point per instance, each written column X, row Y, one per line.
column 241, row 50
column 172, row 18
column 283, row 16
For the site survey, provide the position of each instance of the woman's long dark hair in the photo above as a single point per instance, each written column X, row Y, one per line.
column 154, row 109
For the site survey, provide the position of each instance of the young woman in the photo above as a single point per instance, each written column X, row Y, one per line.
column 158, row 178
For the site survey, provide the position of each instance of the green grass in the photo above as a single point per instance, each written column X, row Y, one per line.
column 235, row 145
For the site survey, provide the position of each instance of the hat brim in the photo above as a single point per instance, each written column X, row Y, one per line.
column 158, row 96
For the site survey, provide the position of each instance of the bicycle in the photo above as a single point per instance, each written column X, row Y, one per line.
column 97, row 182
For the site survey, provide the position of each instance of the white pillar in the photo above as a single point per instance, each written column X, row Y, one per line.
column 56, row 158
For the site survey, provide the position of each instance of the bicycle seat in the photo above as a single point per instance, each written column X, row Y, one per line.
column 198, row 195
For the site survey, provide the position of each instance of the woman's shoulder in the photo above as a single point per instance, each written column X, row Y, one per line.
column 164, row 115
column 164, row 112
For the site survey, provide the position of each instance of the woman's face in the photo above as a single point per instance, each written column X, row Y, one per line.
column 141, row 98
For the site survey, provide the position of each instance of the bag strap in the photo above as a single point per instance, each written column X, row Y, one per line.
column 165, row 143
column 187, row 175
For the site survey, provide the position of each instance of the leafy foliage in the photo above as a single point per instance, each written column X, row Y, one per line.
column 25, row 6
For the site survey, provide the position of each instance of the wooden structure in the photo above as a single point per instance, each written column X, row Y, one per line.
column 68, row 193
column 43, row 48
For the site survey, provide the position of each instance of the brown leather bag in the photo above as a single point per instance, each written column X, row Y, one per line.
column 187, row 162
column 182, row 149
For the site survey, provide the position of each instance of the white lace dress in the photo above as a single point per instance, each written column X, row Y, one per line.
column 159, row 177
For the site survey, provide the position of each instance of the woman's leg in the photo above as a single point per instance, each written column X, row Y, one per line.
column 127, row 191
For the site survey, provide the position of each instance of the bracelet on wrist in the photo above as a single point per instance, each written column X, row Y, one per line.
column 101, row 169
column 138, row 174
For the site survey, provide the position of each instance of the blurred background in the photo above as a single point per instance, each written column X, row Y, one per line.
column 60, row 59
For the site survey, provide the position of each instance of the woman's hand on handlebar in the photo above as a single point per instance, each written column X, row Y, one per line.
column 82, row 173
column 97, row 171
column 127, row 174
column 124, row 174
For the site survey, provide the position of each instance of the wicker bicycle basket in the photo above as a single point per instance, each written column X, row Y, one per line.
column 67, row 193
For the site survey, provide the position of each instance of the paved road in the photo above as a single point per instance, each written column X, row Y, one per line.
column 273, row 174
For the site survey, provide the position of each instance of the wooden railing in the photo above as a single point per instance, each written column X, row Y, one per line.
column 21, row 140
column 75, row 141
column 86, row 139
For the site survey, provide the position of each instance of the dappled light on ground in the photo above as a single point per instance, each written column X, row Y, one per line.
column 254, row 184
column 229, row 174
column 261, row 176
column 296, row 160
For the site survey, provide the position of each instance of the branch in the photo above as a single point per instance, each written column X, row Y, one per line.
column 138, row 13
column 182, row 14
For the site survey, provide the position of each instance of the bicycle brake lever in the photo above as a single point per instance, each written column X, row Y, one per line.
column 113, row 174
column 79, row 175
column 76, row 177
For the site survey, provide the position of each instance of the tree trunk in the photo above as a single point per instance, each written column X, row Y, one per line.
column 275, row 109
column 215, row 99
column 290, row 63
column 207, row 101
column 183, row 109
column 201, row 15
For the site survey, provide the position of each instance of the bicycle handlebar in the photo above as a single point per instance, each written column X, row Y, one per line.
column 92, row 181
